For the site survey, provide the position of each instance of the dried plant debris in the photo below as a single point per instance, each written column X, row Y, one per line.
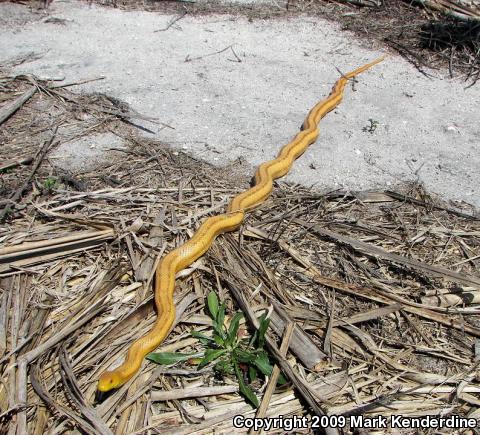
column 425, row 37
column 372, row 297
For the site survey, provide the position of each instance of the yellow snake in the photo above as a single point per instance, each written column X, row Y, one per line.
column 201, row 241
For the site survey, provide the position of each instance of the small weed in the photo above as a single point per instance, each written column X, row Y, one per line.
column 50, row 183
column 232, row 353
column 372, row 127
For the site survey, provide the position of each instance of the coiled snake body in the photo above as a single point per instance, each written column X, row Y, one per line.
column 201, row 241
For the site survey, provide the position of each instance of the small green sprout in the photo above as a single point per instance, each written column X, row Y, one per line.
column 50, row 183
column 372, row 127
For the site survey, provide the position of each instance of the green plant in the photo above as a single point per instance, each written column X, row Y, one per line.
column 232, row 353
column 50, row 183
column 372, row 127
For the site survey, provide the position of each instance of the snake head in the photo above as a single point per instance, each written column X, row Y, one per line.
column 108, row 381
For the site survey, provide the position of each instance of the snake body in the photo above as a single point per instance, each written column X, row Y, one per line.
column 201, row 241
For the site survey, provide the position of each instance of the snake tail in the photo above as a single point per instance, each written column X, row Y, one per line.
column 203, row 238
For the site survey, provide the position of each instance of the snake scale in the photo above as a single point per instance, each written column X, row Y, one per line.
column 201, row 241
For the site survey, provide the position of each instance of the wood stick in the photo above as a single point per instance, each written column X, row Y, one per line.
column 302, row 345
column 189, row 393
column 79, row 82
column 368, row 315
column 452, row 299
column 14, row 163
column 10, row 109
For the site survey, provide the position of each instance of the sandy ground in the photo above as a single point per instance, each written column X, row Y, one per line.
column 250, row 99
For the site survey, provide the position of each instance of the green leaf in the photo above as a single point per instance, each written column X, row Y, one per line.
column 233, row 329
column 218, row 333
column 281, row 380
column 168, row 358
column 224, row 366
column 249, row 394
column 204, row 339
column 262, row 362
column 210, row 355
column 212, row 301
column 218, row 323
column 221, row 320
column 253, row 339
column 244, row 356
column 262, row 330
column 252, row 373
column 245, row 389
column 219, row 340
column 199, row 335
